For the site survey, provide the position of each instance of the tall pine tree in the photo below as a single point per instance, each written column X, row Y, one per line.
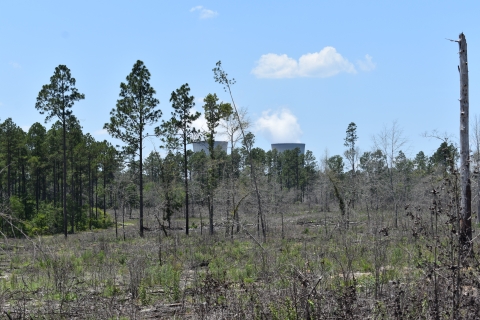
column 135, row 110
column 178, row 131
column 56, row 99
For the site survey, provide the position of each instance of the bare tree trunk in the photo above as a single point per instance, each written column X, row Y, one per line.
column 115, row 212
column 185, row 177
column 123, row 218
column 466, row 192
column 72, row 183
column 478, row 200
column 64, row 178
column 90, row 194
column 476, row 138
column 141, row 180
column 221, row 77
column 210, row 211
column 104, row 193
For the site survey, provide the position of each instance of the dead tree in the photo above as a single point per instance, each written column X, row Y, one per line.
column 466, row 191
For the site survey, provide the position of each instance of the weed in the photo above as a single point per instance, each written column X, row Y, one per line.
column 143, row 296
column 110, row 290
column 136, row 269
column 284, row 310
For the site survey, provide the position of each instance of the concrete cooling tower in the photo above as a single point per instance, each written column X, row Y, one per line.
column 203, row 145
column 280, row 147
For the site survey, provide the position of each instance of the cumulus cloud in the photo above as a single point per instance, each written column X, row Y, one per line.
column 201, row 125
column 279, row 126
column 15, row 65
column 199, row 101
column 101, row 132
column 366, row 64
column 204, row 12
column 325, row 63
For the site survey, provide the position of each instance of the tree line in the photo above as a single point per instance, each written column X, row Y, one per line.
column 63, row 180
column 31, row 181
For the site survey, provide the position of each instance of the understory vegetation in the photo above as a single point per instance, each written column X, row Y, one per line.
column 312, row 265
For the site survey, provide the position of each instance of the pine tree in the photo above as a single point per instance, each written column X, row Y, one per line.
column 214, row 112
column 56, row 99
column 135, row 110
column 178, row 131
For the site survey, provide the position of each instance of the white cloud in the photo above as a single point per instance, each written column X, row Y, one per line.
column 204, row 12
column 201, row 125
column 279, row 126
column 25, row 128
column 325, row 63
column 101, row 132
column 15, row 65
column 272, row 65
column 199, row 101
column 367, row 64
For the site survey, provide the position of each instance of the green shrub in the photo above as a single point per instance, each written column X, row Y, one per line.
column 110, row 289
column 167, row 276
column 283, row 311
column 47, row 221
column 103, row 221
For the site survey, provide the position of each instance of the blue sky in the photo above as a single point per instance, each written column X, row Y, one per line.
column 304, row 69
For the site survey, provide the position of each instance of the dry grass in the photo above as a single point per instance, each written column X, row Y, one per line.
column 317, row 270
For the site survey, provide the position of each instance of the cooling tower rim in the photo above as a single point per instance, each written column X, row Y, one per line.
column 281, row 147
column 204, row 141
column 289, row 143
